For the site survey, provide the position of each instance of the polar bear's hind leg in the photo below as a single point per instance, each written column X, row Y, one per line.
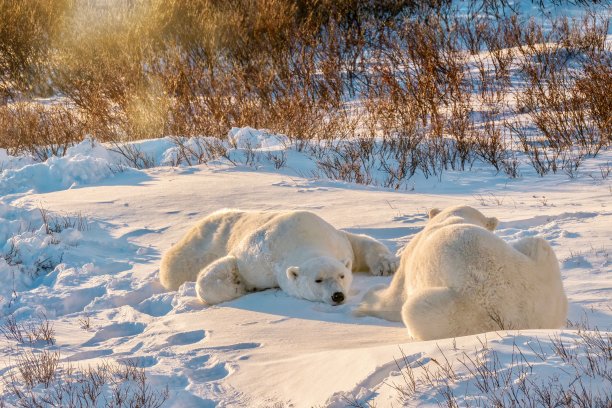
column 440, row 312
column 220, row 281
column 381, row 302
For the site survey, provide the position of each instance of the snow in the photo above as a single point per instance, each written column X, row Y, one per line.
column 98, row 255
column 87, row 162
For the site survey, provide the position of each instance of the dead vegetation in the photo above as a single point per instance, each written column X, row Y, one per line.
column 40, row 330
column 27, row 31
column 485, row 377
column 37, row 377
column 409, row 86
column 63, row 385
column 39, row 130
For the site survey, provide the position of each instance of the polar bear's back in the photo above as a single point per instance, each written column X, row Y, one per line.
column 460, row 255
column 227, row 228
column 304, row 231
column 288, row 238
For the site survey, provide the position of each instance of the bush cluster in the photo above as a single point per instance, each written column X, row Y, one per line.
column 441, row 88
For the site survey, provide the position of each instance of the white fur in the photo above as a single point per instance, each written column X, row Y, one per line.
column 458, row 278
column 232, row 252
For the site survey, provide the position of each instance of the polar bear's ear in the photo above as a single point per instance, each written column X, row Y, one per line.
column 293, row 272
column 433, row 212
column 492, row 223
column 348, row 263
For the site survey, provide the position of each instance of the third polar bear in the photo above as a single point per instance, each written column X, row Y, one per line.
column 232, row 252
column 458, row 278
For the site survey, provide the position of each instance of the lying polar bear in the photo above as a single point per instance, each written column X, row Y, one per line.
column 232, row 252
column 457, row 278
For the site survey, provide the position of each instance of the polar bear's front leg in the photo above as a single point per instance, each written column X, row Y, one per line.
column 220, row 281
column 371, row 255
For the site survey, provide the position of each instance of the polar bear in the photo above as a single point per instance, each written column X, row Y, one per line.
column 232, row 252
column 458, row 278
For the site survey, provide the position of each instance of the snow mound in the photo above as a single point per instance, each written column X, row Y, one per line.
column 88, row 162
column 249, row 138
column 31, row 245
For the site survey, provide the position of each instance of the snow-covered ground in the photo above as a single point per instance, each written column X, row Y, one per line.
column 97, row 257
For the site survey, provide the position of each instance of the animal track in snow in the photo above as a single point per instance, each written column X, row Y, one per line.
column 156, row 305
column 410, row 218
column 214, row 373
column 86, row 355
column 197, row 362
column 549, row 227
column 123, row 330
column 237, row 346
column 182, row 339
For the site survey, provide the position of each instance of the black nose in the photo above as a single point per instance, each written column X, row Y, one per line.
column 338, row 297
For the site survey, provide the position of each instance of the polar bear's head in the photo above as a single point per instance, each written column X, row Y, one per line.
column 463, row 213
column 321, row 279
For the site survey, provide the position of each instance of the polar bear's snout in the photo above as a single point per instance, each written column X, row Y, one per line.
column 338, row 297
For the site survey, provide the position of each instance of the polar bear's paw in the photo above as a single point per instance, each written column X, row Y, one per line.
column 232, row 284
column 220, row 282
column 384, row 264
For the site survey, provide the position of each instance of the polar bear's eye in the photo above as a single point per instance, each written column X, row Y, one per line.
column 319, row 280
column 342, row 276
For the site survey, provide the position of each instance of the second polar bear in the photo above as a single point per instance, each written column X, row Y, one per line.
column 458, row 278
column 232, row 252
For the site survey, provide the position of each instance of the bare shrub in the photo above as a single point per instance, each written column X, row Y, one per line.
column 445, row 82
column 37, row 367
column 64, row 385
column 85, row 322
column 352, row 162
column 133, row 155
column 593, row 90
column 41, row 131
column 572, row 123
column 488, row 378
column 279, row 160
column 12, row 330
column 489, row 143
column 56, row 223
column 99, row 67
column 198, row 150
column 605, row 170
column 38, row 330
column 460, row 127
column 400, row 159
column 26, row 32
